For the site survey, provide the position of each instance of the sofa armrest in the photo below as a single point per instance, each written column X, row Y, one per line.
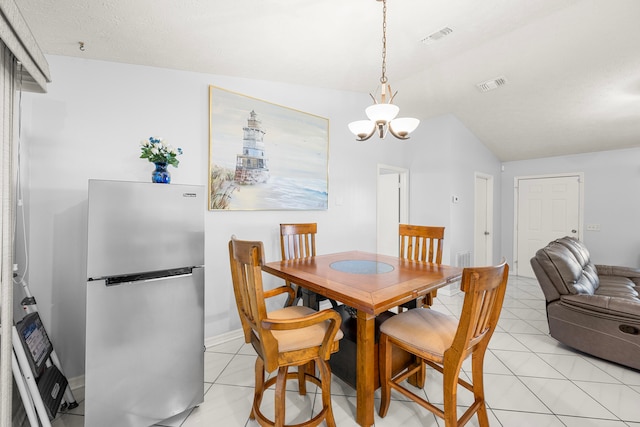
column 623, row 307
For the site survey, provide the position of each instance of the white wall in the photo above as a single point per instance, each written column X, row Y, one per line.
column 443, row 162
column 611, row 199
column 89, row 126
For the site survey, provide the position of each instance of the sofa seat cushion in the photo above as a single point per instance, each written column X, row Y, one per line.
column 621, row 308
column 616, row 286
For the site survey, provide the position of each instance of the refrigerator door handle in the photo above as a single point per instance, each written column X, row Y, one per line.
column 148, row 277
column 155, row 279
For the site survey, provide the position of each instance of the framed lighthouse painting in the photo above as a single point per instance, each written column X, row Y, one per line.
column 263, row 156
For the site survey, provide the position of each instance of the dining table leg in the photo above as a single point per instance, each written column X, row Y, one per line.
column 365, row 380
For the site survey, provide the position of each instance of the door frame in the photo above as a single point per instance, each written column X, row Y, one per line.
column 403, row 183
column 489, row 214
column 516, row 200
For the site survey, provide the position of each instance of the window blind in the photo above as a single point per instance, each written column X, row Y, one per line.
column 17, row 37
column 17, row 46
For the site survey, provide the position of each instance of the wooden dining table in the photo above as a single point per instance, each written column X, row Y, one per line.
column 371, row 284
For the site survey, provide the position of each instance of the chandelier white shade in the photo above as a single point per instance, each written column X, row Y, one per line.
column 382, row 114
column 403, row 126
column 363, row 129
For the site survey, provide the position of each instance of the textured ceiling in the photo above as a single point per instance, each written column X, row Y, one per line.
column 572, row 66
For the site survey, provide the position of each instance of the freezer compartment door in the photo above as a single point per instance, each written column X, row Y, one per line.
column 144, row 350
column 138, row 227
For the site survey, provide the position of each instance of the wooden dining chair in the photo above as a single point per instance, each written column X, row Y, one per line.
column 298, row 241
column 421, row 243
column 443, row 343
column 294, row 336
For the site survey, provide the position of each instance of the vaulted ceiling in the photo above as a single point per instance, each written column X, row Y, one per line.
column 570, row 68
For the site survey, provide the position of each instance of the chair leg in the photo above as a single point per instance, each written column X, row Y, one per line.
column 309, row 368
column 477, row 361
column 325, row 379
column 428, row 300
column 420, row 376
column 450, row 390
column 259, row 387
column 280, row 396
column 384, row 358
column 296, row 299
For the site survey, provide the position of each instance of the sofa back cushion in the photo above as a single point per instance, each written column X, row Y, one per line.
column 567, row 266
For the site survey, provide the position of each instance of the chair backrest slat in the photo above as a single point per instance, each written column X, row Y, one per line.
column 298, row 240
column 421, row 243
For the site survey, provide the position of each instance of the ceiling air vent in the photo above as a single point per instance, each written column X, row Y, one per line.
column 492, row 84
column 432, row 38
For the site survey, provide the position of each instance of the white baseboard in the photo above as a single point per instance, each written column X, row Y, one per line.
column 76, row 382
column 223, row 338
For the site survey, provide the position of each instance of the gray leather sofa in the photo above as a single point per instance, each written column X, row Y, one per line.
column 592, row 308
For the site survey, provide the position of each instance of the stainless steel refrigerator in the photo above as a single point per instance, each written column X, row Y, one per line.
column 145, row 302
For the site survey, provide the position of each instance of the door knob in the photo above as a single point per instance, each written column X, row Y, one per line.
column 574, row 231
column 486, row 233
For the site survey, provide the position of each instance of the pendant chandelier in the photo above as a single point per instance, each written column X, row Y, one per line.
column 382, row 114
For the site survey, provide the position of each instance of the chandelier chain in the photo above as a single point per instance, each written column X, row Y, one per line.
column 383, row 78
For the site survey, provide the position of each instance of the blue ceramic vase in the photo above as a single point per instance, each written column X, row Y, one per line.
column 161, row 175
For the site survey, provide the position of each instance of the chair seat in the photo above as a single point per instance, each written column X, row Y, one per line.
column 424, row 329
column 298, row 339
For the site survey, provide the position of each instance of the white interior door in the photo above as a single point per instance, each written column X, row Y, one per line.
column 483, row 229
column 392, row 207
column 388, row 214
column 546, row 208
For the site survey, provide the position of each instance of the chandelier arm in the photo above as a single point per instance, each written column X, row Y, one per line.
column 392, row 96
column 364, row 138
column 395, row 134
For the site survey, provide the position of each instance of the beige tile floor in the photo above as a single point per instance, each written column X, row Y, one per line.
column 530, row 380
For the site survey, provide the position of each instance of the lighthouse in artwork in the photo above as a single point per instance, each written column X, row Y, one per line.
column 251, row 165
